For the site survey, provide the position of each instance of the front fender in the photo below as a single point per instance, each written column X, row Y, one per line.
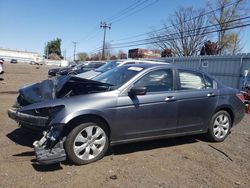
column 62, row 119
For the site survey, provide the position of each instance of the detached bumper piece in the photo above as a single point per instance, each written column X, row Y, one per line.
column 49, row 149
column 50, row 156
column 27, row 120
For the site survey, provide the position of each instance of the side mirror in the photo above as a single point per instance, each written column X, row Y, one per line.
column 137, row 91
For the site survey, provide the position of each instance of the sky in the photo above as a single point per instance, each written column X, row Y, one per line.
column 29, row 24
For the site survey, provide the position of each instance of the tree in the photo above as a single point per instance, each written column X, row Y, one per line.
column 82, row 56
column 209, row 48
column 54, row 56
column 185, row 33
column 166, row 53
column 122, row 55
column 226, row 17
column 113, row 57
column 53, row 47
column 96, row 56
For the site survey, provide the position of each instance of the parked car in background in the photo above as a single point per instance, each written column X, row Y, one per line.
column 52, row 72
column 112, row 64
column 1, row 65
column 83, row 67
column 14, row 61
column 130, row 103
column 33, row 63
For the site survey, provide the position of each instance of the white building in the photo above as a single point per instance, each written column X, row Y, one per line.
column 20, row 56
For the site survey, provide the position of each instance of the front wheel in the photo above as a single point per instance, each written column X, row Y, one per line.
column 219, row 126
column 87, row 143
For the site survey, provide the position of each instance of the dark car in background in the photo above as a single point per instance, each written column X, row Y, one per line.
column 130, row 103
column 53, row 71
column 80, row 68
column 14, row 61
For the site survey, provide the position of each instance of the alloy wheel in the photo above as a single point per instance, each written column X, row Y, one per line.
column 221, row 126
column 89, row 142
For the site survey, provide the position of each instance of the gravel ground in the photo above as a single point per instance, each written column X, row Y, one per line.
column 176, row 162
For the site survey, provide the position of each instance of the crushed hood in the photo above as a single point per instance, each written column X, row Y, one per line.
column 59, row 87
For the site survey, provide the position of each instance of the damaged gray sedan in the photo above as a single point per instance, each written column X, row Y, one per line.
column 81, row 118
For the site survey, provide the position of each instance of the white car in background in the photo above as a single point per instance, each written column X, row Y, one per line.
column 1, row 66
column 112, row 64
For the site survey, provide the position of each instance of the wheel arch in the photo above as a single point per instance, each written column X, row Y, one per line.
column 86, row 118
column 228, row 109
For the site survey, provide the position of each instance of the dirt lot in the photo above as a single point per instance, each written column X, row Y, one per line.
column 175, row 162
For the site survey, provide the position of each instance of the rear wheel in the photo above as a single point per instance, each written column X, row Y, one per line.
column 87, row 143
column 219, row 126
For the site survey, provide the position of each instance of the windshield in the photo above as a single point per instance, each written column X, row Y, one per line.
column 108, row 66
column 93, row 65
column 78, row 66
column 118, row 76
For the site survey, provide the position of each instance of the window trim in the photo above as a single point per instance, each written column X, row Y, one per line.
column 214, row 82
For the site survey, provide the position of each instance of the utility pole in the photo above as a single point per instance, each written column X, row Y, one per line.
column 46, row 50
column 75, row 43
column 104, row 25
column 64, row 54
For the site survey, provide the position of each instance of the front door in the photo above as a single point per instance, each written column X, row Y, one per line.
column 152, row 114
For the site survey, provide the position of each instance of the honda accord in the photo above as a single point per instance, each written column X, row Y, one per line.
column 82, row 118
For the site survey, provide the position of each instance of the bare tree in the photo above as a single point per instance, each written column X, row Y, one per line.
column 227, row 16
column 184, row 35
column 122, row 55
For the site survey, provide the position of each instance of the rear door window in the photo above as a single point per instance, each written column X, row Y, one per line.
column 190, row 80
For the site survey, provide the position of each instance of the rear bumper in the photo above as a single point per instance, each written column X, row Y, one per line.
column 27, row 120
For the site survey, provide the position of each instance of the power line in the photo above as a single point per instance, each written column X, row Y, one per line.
column 208, row 32
column 129, row 13
column 136, row 36
column 92, row 33
column 161, row 36
column 161, row 29
column 123, row 11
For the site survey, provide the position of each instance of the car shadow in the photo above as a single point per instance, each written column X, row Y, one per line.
column 150, row 145
column 46, row 168
column 23, row 137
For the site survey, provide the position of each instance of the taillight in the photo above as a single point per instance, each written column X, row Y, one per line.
column 241, row 97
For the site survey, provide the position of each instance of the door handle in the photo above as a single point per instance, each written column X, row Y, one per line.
column 211, row 94
column 170, row 98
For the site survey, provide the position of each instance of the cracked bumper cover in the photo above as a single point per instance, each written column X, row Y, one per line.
column 50, row 156
column 27, row 120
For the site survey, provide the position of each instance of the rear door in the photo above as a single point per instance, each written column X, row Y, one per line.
column 197, row 99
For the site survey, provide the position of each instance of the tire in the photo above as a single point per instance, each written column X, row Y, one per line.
column 219, row 126
column 87, row 143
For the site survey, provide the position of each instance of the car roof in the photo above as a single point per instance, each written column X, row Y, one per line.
column 164, row 65
column 147, row 65
column 141, row 61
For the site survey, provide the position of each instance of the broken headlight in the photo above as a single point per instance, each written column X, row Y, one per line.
column 46, row 112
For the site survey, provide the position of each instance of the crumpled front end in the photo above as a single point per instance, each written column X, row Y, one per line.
column 27, row 120
column 43, row 107
column 49, row 149
column 35, row 119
